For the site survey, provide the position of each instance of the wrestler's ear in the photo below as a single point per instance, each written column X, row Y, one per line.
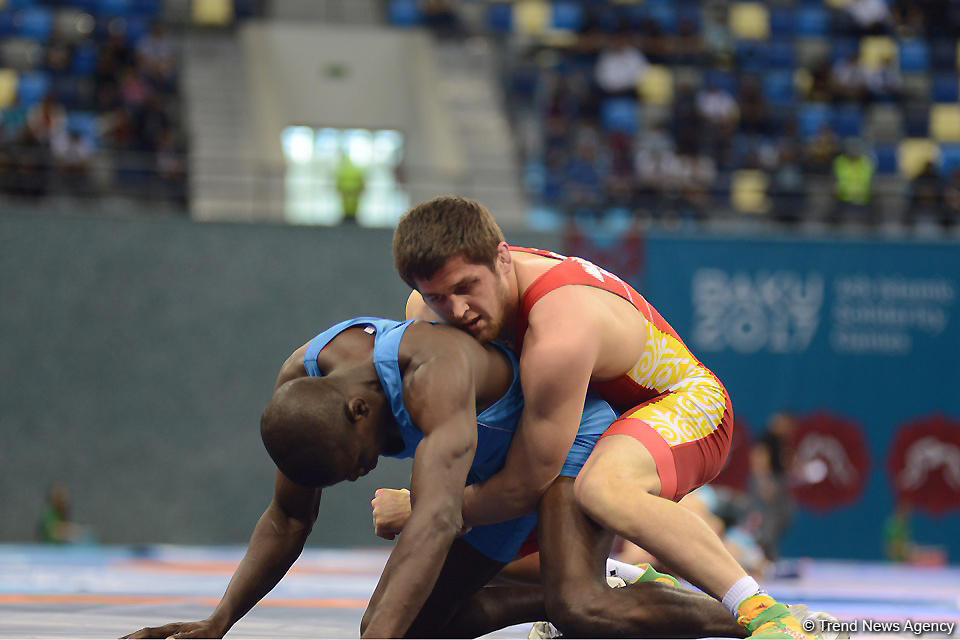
column 504, row 259
column 357, row 408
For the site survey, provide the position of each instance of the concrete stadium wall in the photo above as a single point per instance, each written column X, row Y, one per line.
column 137, row 354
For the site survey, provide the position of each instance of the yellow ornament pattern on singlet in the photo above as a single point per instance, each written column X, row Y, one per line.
column 694, row 402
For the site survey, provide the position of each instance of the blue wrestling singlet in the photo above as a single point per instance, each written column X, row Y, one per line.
column 495, row 426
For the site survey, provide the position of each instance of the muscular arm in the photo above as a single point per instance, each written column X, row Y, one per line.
column 555, row 367
column 277, row 542
column 440, row 396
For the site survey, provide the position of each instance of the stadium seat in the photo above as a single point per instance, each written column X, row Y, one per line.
column 619, row 114
column 874, row 50
column 36, row 23
column 914, row 55
column 31, row 88
column 115, row 8
column 812, row 21
column 8, row 26
column 914, row 154
column 943, row 54
column 663, row 12
column 722, row 79
column 781, row 54
column 215, row 13
column 656, row 85
column 949, row 158
column 531, row 17
column 8, row 88
column 846, row 122
column 749, row 21
column 567, row 15
column 782, row 22
column 946, row 88
column 917, row 87
column 84, row 123
column 811, row 118
column 916, row 122
column 884, row 123
column 810, row 51
column 84, row 59
column 500, row 17
column 885, row 155
column 90, row 6
column 841, row 48
column 404, row 13
column 945, row 122
column 778, row 88
column 752, row 56
column 748, row 191
column 22, row 54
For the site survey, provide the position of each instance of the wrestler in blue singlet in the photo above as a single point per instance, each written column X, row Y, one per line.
column 495, row 426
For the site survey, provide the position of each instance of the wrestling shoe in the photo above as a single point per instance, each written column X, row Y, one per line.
column 816, row 620
column 544, row 629
column 765, row 619
column 652, row 575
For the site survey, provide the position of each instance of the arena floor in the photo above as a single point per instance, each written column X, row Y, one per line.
column 106, row 592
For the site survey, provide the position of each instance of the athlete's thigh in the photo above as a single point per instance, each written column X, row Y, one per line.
column 464, row 572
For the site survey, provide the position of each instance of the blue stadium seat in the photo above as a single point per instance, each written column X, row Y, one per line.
column 946, row 88
column 778, row 88
column 811, row 118
column 36, row 23
column 153, row 8
column 84, row 61
column 84, row 123
column 90, row 6
column 8, row 26
column 847, row 122
column 567, row 14
column 752, row 56
column 949, row 158
column 886, row 157
column 841, row 48
column 944, row 54
column 619, row 114
column 780, row 54
column 137, row 28
column 722, row 79
column 540, row 218
column 14, row 5
column 664, row 12
column 812, row 21
column 914, row 55
column 31, row 88
column 119, row 8
column 500, row 16
column 782, row 22
column 916, row 123
column 404, row 13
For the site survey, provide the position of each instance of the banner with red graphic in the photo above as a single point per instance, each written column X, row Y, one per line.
column 924, row 463
column 830, row 463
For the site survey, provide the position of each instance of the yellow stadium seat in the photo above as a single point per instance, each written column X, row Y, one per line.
column 213, row 12
column 874, row 50
column 945, row 122
column 531, row 17
column 748, row 191
column 914, row 154
column 8, row 88
column 656, row 85
column 749, row 20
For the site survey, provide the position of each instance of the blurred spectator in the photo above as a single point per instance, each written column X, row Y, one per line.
column 55, row 525
column 820, row 88
column 926, row 196
column 898, row 543
column 72, row 157
column 155, row 53
column 350, row 183
column 853, row 175
column 866, row 17
column 583, row 183
column 654, row 150
column 848, row 79
column 46, row 119
column 951, row 201
column 688, row 46
column 717, row 109
column 821, row 150
column 440, row 17
column 788, row 186
column 620, row 67
column 884, row 83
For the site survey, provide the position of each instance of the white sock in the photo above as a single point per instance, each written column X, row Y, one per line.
column 629, row 573
column 742, row 589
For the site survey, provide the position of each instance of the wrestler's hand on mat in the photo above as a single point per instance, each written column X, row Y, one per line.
column 391, row 510
column 199, row 629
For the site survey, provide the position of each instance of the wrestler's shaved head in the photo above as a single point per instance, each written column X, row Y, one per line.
column 307, row 430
